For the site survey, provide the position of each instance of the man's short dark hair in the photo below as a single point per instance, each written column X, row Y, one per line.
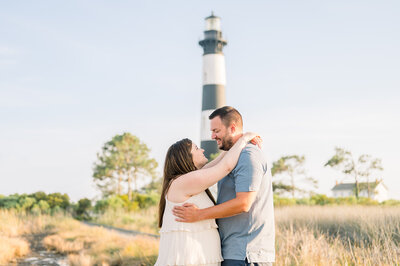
column 228, row 115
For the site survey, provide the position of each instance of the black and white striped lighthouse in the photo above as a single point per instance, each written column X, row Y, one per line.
column 214, row 79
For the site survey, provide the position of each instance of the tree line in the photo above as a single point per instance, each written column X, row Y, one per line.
column 291, row 177
column 125, row 160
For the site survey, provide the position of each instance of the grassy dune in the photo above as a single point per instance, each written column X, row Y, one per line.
column 93, row 245
column 84, row 245
column 305, row 235
column 143, row 220
column 12, row 227
column 316, row 235
column 11, row 248
column 338, row 235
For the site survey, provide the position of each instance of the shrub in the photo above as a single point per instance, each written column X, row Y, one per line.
column 321, row 199
column 129, row 205
column 10, row 202
column 367, row 201
column 346, row 200
column 58, row 200
column 26, row 203
column 83, row 208
column 112, row 203
column 41, row 207
column 146, row 200
column 391, row 203
column 303, row 201
column 279, row 202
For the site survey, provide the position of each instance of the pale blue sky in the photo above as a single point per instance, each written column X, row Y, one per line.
column 307, row 75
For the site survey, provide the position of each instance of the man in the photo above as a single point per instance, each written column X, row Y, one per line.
column 244, row 209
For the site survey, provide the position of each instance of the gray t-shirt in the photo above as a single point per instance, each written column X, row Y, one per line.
column 250, row 234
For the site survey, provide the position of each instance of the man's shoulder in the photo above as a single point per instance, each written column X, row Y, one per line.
column 251, row 152
column 249, row 156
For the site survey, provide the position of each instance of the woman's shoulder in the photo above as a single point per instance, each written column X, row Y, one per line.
column 176, row 193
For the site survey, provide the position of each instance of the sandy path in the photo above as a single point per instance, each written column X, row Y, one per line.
column 40, row 255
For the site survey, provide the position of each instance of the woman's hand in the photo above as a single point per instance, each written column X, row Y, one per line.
column 257, row 141
column 254, row 138
column 249, row 136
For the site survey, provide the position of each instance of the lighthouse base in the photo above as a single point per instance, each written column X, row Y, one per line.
column 210, row 147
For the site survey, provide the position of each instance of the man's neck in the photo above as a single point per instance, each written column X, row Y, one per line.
column 237, row 137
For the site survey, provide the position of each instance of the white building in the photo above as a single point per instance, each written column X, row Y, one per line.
column 378, row 190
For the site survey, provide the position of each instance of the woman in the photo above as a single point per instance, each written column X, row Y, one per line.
column 187, row 177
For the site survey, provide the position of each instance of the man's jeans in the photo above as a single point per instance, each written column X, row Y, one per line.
column 244, row 263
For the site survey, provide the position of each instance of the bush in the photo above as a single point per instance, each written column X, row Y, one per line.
column 37, row 202
column 321, row 199
column 303, row 201
column 122, row 202
column 58, row 200
column 146, row 200
column 26, row 203
column 112, row 203
column 129, row 205
column 346, row 200
column 367, row 201
column 83, row 208
column 10, row 202
column 391, row 203
column 280, row 202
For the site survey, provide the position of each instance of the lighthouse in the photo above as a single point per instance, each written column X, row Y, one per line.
column 214, row 79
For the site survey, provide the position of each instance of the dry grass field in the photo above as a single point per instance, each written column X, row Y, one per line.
column 12, row 228
column 338, row 235
column 98, row 246
column 82, row 244
column 316, row 235
column 143, row 220
column 305, row 235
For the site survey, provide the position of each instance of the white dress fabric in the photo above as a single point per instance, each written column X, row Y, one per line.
column 189, row 243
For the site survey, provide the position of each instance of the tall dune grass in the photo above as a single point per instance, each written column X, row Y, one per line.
column 305, row 235
column 12, row 228
column 337, row 235
column 12, row 248
column 321, row 235
column 14, row 225
column 82, row 244
column 98, row 246
column 143, row 220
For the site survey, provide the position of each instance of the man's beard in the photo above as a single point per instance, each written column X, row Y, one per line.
column 226, row 143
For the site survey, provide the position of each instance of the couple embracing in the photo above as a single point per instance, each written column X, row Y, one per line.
column 244, row 233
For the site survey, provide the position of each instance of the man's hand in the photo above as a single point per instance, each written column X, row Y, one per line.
column 187, row 213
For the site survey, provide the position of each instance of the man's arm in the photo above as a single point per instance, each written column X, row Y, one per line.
column 189, row 213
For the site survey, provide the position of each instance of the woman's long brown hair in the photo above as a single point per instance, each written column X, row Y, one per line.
column 178, row 161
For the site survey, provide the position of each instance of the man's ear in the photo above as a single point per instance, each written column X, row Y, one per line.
column 233, row 128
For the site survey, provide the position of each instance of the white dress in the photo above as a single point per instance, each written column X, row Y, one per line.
column 189, row 243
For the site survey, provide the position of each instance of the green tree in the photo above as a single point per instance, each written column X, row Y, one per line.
column 58, row 200
column 364, row 167
column 368, row 167
column 107, row 173
column 123, row 159
column 82, row 209
column 291, row 171
column 279, row 187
